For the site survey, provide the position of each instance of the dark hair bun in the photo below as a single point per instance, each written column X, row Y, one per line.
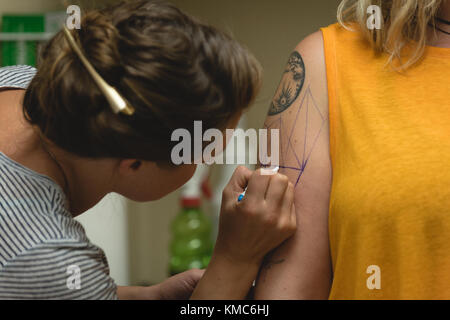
column 170, row 67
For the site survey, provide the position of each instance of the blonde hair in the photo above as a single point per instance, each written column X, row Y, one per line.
column 404, row 23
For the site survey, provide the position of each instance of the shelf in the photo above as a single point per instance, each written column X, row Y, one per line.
column 22, row 36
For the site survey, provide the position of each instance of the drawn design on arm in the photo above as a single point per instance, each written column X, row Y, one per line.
column 291, row 85
column 268, row 264
column 294, row 154
column 307, row 112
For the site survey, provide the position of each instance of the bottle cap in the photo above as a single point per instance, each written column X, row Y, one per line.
column 191, row 202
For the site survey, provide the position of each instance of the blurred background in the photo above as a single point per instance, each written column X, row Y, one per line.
column 136, row 237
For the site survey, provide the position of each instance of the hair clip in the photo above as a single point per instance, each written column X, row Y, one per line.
column 117, row 102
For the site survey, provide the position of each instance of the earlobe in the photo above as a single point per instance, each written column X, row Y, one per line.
column 136, row 165
column 125, row 165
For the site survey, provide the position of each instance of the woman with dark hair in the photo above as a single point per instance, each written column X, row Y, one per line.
column 365, row 125
column 97, row 117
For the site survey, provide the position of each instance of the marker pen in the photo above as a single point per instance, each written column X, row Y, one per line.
column 271, row 172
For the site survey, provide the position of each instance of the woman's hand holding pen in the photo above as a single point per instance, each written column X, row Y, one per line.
column 264, row 218
column 248, row 230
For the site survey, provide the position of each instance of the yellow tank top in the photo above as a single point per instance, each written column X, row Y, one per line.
column 389, row 219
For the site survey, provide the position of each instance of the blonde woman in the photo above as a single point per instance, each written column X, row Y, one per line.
column 365, row 119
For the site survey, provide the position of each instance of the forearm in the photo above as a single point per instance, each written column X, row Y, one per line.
column 295, row 272
column 138, row 293
column 226, row 280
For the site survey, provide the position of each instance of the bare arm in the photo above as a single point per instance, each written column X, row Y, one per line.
column 301, row 267
column 225, row 280
column 138, row 293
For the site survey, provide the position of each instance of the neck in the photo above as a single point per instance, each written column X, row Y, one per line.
column 444, row 11
column 88, row 180
column 437, row 38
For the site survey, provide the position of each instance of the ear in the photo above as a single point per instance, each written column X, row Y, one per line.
column 129, row 165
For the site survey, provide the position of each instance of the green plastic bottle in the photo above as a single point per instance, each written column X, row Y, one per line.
column 191, row 246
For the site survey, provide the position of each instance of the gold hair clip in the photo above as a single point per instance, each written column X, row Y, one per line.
column 117, row 102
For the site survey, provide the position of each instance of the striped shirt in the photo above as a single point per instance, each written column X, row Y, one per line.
column 44, row 251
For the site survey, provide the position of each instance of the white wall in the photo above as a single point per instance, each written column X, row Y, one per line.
column 29, row 6
column 107, row 226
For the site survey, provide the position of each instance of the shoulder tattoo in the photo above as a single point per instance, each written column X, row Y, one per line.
column 291, row 84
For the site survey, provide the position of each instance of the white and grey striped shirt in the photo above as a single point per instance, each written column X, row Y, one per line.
column 44, row 252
